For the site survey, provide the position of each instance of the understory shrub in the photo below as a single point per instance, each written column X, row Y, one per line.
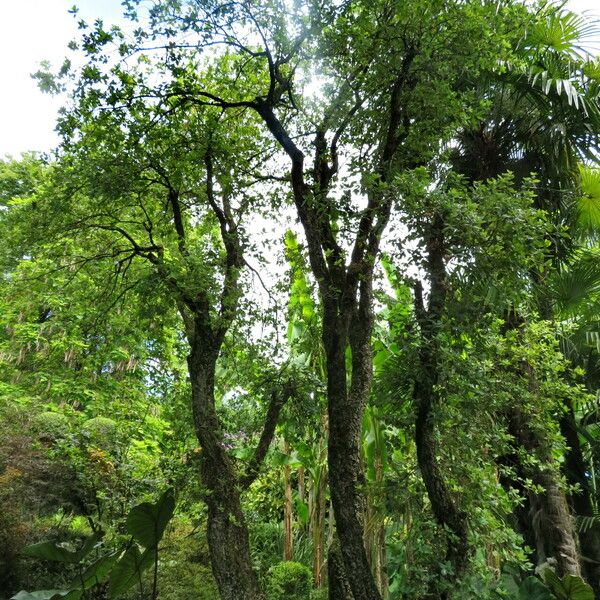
column 289, row 581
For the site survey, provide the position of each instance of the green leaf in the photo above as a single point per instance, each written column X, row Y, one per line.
column 574, row 588
column 533, row 589
column 90, row 543
column 569, row 587
column 301, row 510
column 51, row 551
column 98, row 571
column 42, row 595
column 54, row 552
column 281, row 459
column 127, row 571
column 147, row 522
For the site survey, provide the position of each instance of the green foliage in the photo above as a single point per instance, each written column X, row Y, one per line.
column 550, row 587
column 289, row 581
column 122, row 568
column 101, row 432
column 147, row 522
column 184, row 572
column 567, row 587
column 51, row 425
column 116, row 255
column 54, row 552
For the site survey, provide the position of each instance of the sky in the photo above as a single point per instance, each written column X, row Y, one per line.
column 32, row 31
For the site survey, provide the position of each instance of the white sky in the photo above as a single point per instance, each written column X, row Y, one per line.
column 36, row 30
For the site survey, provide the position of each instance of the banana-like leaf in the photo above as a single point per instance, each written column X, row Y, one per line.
column 98, row 571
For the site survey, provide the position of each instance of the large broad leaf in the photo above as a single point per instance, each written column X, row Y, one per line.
column 51, row 551
column 98, row 571
column 301, row 510
column 569, row 587
column 533, row 589
column 147, row 522
column 90, row 543
column 126, row 573
column 56, row 553
column 574, row 588
column 46, row 595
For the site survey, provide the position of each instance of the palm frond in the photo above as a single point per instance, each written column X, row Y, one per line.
column 578, row 283
column 587, row 522
column 588, row 205
column 561, row 31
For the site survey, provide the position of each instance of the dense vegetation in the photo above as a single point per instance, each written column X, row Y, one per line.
column 306, row 306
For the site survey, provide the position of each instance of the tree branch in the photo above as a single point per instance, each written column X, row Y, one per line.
column 278, row 400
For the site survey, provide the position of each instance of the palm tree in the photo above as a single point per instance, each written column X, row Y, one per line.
column 544, row 118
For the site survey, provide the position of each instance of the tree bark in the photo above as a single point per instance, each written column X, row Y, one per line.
column 375, row 531
column 443, row 505
column 226, row 527
column 288, row 543
column 346, row 294
column 339, row 588
column 318, row 529
column 346, row 408
column 554, row 526
column 550, row 516
column 318, row 506
column 576, row 470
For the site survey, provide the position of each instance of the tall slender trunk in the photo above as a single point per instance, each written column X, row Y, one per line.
column 521, row 514
column 226, row 526
column 553, row 527
column 318, row 505
column 318, row 528
column 302, row 484
column 443, row 505
column 375, row 531
column 346, row 408
column 576, row 471
column 288, row 543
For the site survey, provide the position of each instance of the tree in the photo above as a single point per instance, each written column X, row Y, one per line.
column 165, row 211
column 183, row 135
column 544, row 117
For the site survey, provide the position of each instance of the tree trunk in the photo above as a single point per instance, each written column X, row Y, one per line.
column 317, row 511
column 380, row 556
column 288, row 550
column 442, row 503
column 301, row 484
column 576, row 471
column 555, row 536
column 444, row 508
column 375, row 527
column 226, row 527
column 318, row 528
column 339, row 587
column 521, row 514
column 554, row 526
column 346, row 410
